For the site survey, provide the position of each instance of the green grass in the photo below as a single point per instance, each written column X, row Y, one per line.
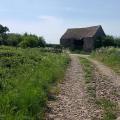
column 109, row 108
column 109, row 56
column 88, row 69
column 26, row 77
column 88, row 73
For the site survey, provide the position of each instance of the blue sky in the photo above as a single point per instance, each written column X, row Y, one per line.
column 51, row 18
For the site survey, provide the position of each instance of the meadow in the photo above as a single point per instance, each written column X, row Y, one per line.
column 109, row 56
column 26, row 77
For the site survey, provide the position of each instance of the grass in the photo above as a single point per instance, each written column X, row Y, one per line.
column 88, row 73
column 26, row 77
column 109, row 56
column 109, row 108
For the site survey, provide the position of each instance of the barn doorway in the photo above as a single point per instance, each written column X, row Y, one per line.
column 78, row 44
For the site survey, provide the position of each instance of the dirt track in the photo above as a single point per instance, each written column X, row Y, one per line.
column 107, row 72
column 73, row 102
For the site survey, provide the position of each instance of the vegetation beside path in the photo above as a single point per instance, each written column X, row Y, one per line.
column 26, row 77
column 89, row 75
column 109, row 56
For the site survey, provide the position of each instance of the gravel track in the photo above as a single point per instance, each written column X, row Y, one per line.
column 104, row 70
column 73, row 102
column 107, row 82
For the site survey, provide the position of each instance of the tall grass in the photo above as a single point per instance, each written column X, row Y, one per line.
column 26, row 76
column 110, row 56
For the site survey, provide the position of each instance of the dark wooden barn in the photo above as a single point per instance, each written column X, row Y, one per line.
column 82, row 38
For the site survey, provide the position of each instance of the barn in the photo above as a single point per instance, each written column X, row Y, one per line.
column 82, row 38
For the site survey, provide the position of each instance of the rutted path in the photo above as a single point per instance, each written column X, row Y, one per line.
column 104, row 70
column 73, row 103
column 108, row 72
column 107, row 82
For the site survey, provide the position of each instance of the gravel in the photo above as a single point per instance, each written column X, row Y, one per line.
column 73, row 101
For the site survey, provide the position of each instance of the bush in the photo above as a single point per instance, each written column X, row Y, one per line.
column 29, row 41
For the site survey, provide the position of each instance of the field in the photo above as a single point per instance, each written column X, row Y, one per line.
column 109, row 56
column 26, row 77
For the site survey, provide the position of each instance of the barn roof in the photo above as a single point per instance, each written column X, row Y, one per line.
column 79, row 33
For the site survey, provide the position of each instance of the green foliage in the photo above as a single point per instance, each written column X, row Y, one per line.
column 3, row 35
column 88, row 73
column 26, row 40
column 41, row 42
column 26, row 76
column 107, row 41
column 110, row 56
column 88, row 68
column 3, row 29
column 117, row 42
column 13, row 39
column 29, row 41
column 109, row 108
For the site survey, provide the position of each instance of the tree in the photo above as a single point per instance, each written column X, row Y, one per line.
column 14, row 39
column 3, row 29
column 98, row 42
column 117, row 42
column 3, row 35
column 108, row 41
column 104, row 41
column 29, row 41
column 41, row 42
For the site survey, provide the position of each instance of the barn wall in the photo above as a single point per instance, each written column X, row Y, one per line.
column 66, row 43
column 88, row 44
column 72, row 43
column 100, row 33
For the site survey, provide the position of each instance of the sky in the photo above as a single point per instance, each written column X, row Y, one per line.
column 51, row 18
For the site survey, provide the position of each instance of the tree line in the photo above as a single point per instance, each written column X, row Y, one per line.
column 18, row 40
column 107, row 41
